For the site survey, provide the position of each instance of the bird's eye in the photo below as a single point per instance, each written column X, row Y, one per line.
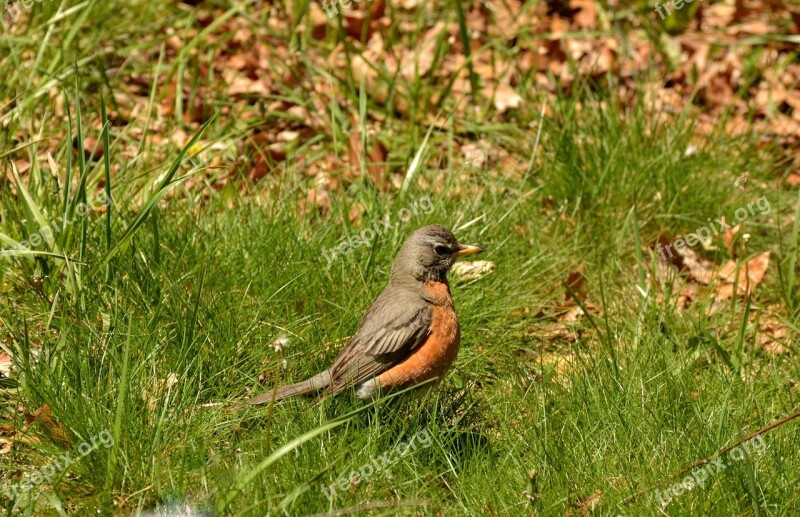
column 442, row 250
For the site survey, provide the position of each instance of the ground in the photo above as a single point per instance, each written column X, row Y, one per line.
column 199, row 200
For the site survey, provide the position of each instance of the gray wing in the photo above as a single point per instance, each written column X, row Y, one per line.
column 397, row 323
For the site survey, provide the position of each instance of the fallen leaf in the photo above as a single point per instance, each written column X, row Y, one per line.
column 356, row 213
column 587, row 505
column 243, row 85
column 467, row 271
column 157, row 389
column 748, row 277
column 474, row 154
column 318, row 21
column 417, row 62
column 576, row 281
column 700, row 270
column 288, row 136
column 51, row 428
column 571, row 315
column 6, row 363
column 585, row 13
column 749, row 274
column 508, row 18
column 375, row 163
column 550, row 333
column 505, row 98
column 92, row 148
column 771, row 337
column 356, row 17
column 319, row 198
column 729, row 235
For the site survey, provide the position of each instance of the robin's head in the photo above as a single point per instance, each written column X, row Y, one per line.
column 429, row 253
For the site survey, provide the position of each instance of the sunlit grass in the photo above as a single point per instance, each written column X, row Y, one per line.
column 149, row 318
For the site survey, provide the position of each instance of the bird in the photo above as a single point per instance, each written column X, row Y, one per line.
column 409, row 335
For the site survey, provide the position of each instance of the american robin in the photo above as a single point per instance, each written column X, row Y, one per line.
column 409, row 335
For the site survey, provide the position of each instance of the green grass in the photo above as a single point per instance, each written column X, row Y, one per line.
column 169, row 302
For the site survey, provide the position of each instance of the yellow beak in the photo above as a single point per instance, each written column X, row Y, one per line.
column 464, row 250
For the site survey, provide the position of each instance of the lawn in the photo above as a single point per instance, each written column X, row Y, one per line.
column 176, row 180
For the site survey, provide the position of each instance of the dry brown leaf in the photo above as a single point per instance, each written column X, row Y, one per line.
column 363, row 67
column 586, row 15
column 556, row 331
column 264, row 376
column 754, row 27
column 265, row 152
column 558, row 26
column 688, row 294
column 6, row 363
column 588, row 505
column 475, row 153
column 92, row 148
column 571, row 315
column 318, row 21
column 772, row 334
column 576, row 281
column 509, row 17
column 700, row 270
column 773, row 347
column 316, row 197
column 720, row 280
column 778, row 124
column 375, row 163
column 51, row 428
column 721, row 293
column 417, row 62
column 505, row 98
column 242, row 85
column 729, row 235
column 718, row 15
column 365, row 13
column 749, row 275
column 606, row 61
column 356, row 213
column 239, row 61
column 467, row 271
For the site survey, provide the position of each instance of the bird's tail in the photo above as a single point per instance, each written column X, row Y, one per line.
column 315, row 383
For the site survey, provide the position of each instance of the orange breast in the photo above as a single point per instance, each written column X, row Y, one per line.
column 434, row 357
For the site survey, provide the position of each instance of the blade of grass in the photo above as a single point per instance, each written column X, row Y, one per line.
column 465, row 42
column 790, row 289
column 224, row 501
column 161, row 189
column 107, row 166
column 122, row 392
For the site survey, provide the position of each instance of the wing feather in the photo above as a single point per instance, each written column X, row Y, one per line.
column 394, row 326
